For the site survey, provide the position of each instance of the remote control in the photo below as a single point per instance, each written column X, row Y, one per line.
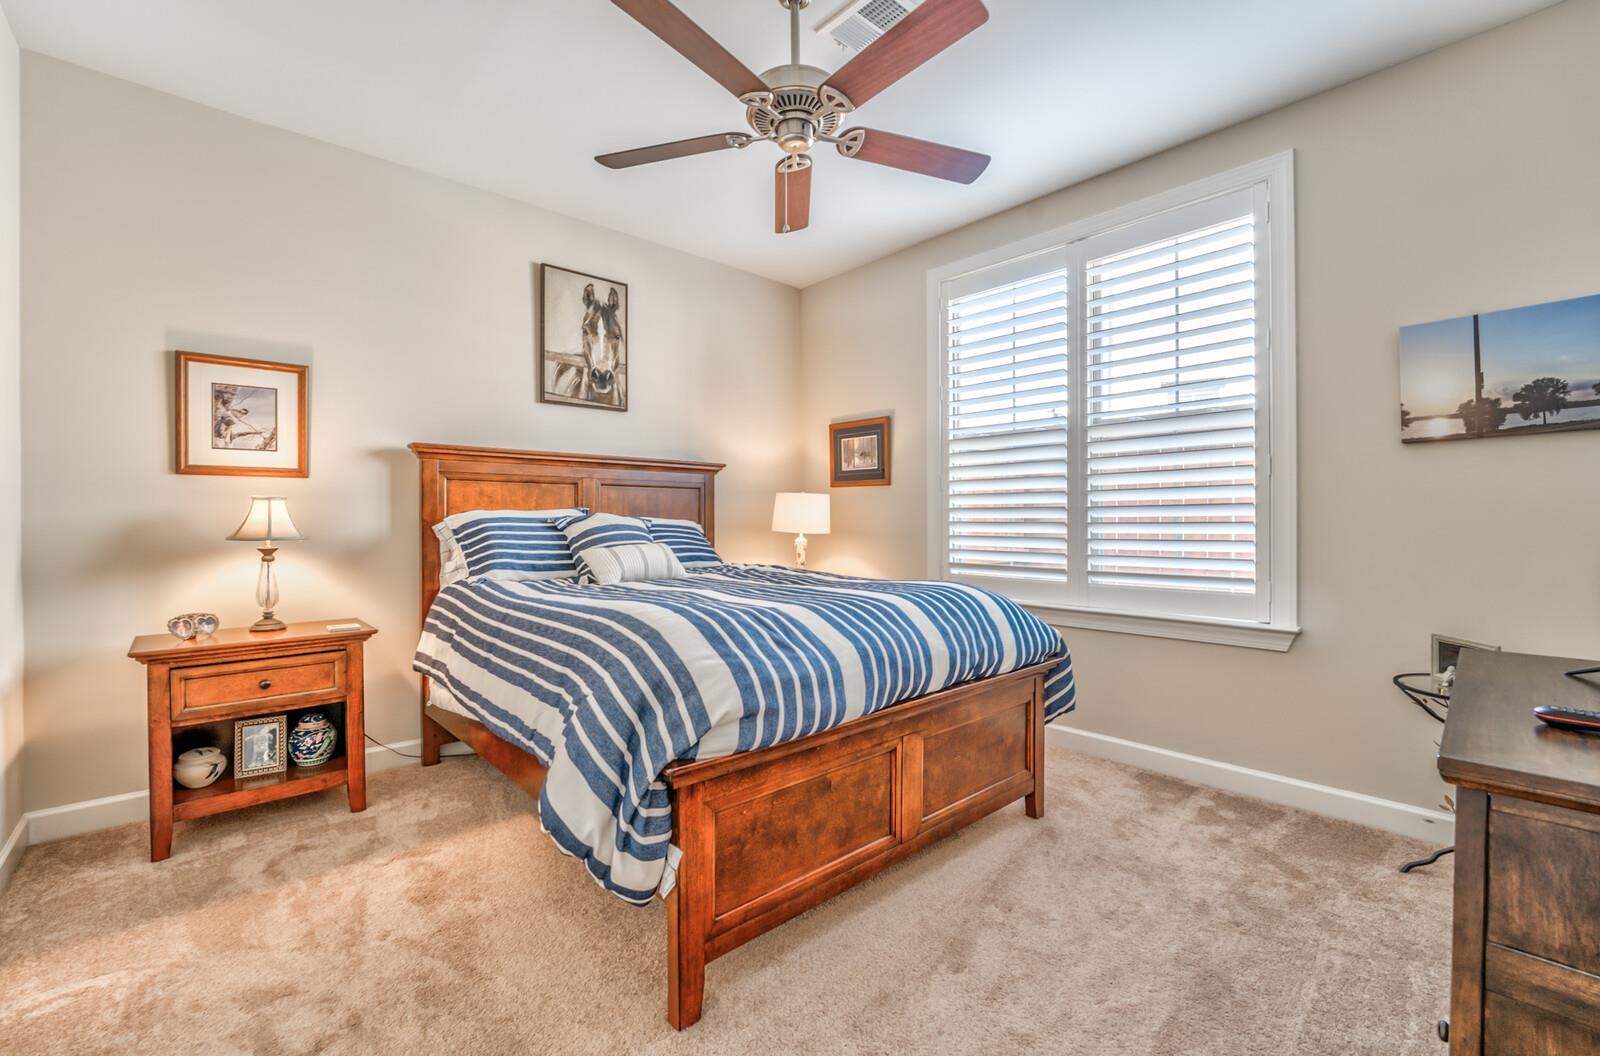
column 1569, row 718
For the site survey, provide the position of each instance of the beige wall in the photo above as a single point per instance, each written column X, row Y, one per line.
column 154, row 224
column 1459, row 182
column 11, row 638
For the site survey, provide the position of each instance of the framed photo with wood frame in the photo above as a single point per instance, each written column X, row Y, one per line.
column 242, row 417
column 859, row 453
column 583, row 339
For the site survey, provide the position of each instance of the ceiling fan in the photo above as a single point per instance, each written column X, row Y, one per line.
column 798, row 106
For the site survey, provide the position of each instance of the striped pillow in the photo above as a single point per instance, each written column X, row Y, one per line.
column 589, row 531
column 505, row 545
column 632, row 562
column 687, row 539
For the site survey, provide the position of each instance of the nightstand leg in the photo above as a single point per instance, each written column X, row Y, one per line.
column 355, row 728
column 160, row 832
column 160, row 731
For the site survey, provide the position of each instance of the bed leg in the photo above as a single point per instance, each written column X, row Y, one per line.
column 686, row 966
column 1034, row 804
column 688, row 910
column 433, row 735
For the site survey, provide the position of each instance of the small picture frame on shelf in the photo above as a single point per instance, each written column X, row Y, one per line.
column 259, row 746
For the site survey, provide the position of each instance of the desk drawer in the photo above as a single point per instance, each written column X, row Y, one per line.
column 1543, row 898
column 216, row 691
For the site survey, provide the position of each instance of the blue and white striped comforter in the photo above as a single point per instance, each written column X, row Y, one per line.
column 607, row 685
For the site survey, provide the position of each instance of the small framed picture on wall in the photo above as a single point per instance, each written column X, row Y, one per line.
column 241, row 417
column 859, row 453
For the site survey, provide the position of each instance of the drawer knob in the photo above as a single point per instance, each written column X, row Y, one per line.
column 266, row 683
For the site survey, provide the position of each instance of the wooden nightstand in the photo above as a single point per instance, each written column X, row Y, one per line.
column 199, row 688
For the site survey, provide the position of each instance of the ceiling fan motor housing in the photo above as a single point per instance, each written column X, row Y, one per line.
column 796, row 113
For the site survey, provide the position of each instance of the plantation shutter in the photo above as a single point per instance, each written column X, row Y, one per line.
column 1172, row 346
column 1006, row 418
column 1107, row 417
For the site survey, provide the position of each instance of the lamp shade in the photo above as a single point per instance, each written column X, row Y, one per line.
column 268, row 520
column 800, row 513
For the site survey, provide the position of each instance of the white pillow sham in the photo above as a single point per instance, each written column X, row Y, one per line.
column 632, row 563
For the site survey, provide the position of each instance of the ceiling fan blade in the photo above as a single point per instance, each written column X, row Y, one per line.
column 792, row 198
column 693, row 43
column 913, row 155
column 909, row 43
column 683, row 148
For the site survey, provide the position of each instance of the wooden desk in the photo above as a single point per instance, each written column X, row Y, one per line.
column 200, row 687
column 1525, row 964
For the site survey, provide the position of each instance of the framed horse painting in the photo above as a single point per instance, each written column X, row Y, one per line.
column 583, row 339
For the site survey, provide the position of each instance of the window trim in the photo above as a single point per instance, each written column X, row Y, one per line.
column 1279, row 410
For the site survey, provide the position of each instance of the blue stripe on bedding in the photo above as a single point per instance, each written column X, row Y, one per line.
column 607, row 685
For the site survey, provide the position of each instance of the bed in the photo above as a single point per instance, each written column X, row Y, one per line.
column 739, row 834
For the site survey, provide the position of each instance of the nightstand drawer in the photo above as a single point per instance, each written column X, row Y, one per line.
column 214, row 691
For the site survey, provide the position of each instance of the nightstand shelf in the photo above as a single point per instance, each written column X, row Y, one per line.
column 231, row 793
column 198, row 690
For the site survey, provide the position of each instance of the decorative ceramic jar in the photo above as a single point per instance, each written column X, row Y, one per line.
column 313, row 739
column 181, row 627
column 198, row 767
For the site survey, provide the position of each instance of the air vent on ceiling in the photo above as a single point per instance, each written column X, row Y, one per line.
column 860, row 22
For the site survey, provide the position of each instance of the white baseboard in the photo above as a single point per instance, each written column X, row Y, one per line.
column 1433, row 826
column 74, row 819
column 11, row 853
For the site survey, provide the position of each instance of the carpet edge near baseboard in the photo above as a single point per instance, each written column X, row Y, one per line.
column 1433, row 826
column 90, row 815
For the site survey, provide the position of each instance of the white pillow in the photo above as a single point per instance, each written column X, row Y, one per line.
column 632, row 562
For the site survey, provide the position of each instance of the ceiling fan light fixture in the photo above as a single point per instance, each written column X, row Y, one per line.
column 795, row 135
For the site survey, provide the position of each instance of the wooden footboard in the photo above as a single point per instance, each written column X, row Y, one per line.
column 766, row 835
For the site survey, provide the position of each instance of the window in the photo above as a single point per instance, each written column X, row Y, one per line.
column 1115, row 415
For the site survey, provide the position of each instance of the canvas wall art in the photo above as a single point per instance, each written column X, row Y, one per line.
column 1524, row 370
column 241, row 417
column 583, row 339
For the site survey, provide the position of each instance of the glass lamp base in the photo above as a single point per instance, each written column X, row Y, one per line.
column 268, row 622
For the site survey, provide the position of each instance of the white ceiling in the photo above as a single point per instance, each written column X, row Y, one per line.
column 516, row 96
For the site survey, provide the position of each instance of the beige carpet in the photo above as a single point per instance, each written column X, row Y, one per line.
column 1142, row 915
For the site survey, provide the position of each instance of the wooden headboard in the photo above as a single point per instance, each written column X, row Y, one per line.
column 457, row 479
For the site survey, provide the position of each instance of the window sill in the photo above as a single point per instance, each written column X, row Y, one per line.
column 1214, row 632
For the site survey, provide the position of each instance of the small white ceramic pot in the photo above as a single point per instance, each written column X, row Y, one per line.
column 198, row 767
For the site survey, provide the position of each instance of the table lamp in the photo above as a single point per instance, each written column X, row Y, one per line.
column 267, row 521
column 800, row 512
